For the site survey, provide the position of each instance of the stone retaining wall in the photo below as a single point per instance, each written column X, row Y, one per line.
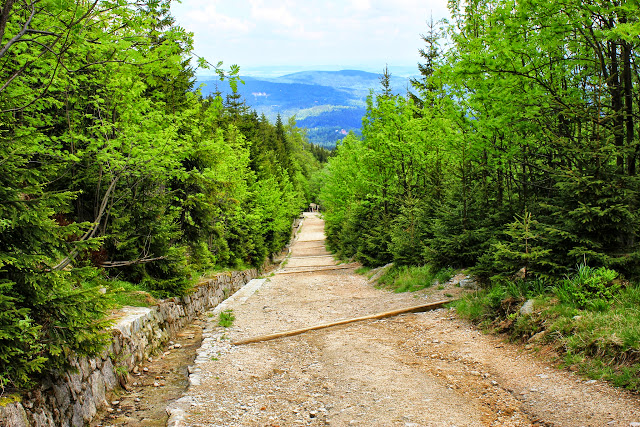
column 74, row 398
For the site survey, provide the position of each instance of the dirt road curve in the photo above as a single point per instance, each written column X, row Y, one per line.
column 425, row 369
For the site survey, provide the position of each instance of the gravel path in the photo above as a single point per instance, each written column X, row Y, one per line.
column 424, row 369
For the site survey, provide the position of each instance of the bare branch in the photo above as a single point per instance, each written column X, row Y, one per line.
column 92, row 230
column 112, row 264
column 18, row 36
column 46, row 33
column 83, row 17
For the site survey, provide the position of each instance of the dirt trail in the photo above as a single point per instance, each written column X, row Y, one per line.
column 423, row 369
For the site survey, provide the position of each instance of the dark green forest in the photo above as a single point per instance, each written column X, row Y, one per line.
column 112, row 166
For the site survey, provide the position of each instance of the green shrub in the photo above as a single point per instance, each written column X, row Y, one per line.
column 587, row 286
column 20, row 345
column 413, row 278
column 522, row 245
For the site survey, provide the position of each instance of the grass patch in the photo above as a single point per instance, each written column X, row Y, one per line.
column 596, row 333
column 363, row 270
column 412, row 278
column 226, row 318
column 123, row 293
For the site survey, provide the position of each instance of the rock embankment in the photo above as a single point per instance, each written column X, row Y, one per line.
column 74, row 398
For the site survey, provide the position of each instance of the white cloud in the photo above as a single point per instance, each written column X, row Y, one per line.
column 361, row 5
column 205, row 15
column 279, row 15
column 281, row 32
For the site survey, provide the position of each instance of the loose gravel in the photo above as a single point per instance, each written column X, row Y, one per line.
column 422, row 369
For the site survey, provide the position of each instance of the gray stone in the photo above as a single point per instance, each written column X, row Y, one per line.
column 468, row 283
column 14, row 415
column 89, row 409
column 537, row 337
column 42, row 418
column 108, row 375
column 378, row 272
column 76, row 419
column 527, row 308
column 65, row 423
column 98, row 388
column 62, row 394
column 84, row 367
column 74, row 381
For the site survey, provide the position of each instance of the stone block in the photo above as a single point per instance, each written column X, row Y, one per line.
column 14, row 415
column 76, row 417
column 74, row 381
column 62, row 394
column 89, row 409
column 85, row 369
column 108, row 374
column 116, row 346
column 97, row 388
column 527, row 308
column 42, row 418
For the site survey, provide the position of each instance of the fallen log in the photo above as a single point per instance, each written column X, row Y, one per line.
column 311, row 256
column 414, row 309
column 320, row 268
column 311, row 247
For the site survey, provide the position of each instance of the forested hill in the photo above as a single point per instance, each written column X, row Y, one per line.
column 116, row 176
column 328, row 103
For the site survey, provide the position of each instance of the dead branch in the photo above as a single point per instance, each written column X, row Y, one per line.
column 322, row 268
column 114, row 264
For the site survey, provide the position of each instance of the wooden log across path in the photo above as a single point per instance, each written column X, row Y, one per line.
column 310, row 247
column 311, row 256
column 414, row 309
column 332, row 267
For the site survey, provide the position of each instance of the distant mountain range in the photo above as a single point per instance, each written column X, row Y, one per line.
column 328, row 103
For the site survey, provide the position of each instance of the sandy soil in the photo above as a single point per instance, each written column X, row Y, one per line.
column 424, row 369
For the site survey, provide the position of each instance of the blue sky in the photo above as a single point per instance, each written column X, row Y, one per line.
column 307, row 34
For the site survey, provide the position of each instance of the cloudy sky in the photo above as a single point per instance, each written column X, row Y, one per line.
column 308, row 33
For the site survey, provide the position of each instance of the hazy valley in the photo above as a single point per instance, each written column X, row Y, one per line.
column 328, row 103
